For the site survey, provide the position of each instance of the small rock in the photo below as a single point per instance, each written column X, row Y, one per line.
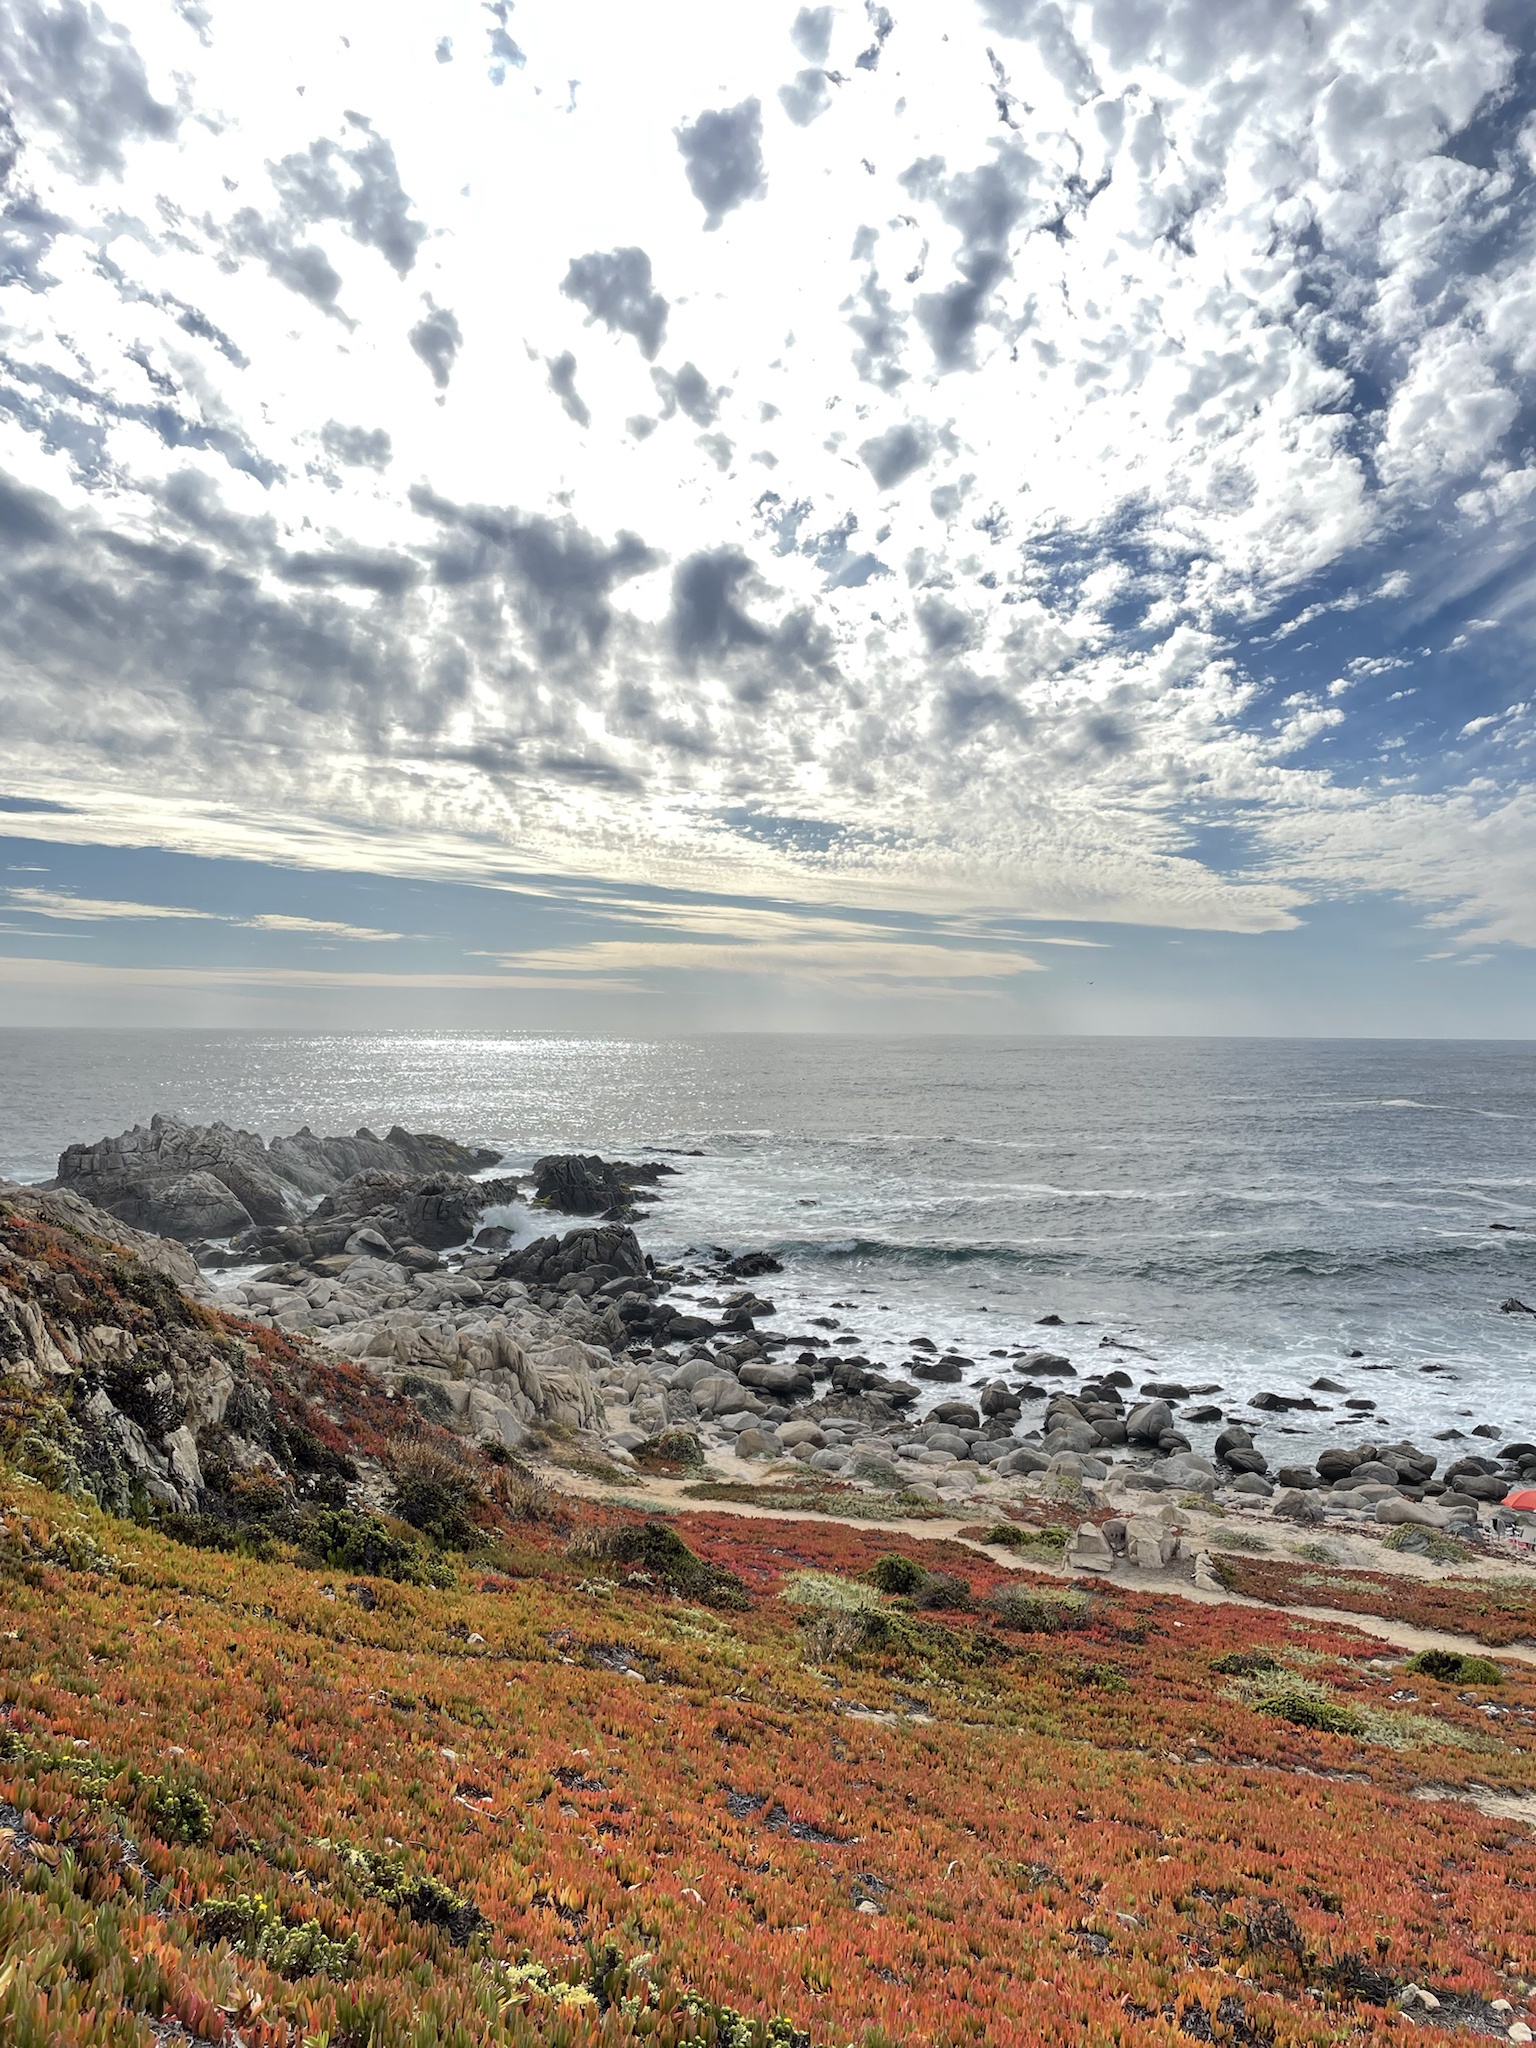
column 1291, row 1504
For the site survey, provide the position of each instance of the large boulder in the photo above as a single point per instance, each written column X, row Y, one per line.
column 1148, row 1421
column 1422, row 1513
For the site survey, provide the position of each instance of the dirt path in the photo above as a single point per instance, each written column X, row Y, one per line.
column 668, row 1495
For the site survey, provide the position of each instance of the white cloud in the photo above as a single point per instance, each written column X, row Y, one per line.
column 1099, row 390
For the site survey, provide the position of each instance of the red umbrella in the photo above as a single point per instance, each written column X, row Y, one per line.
column 1522, row 1497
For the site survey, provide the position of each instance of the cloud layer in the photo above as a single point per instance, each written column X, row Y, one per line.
column 1036, row 460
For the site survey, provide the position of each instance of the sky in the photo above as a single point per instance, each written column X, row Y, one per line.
column 977, row 515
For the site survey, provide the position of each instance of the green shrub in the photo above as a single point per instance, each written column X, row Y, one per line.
column 671, row 1450
column 1095, row 1677
column 1450, row 1668
column 658, row 1550
column 1050, row 1542
column 893, row 1573
column 177, row 1812
column 941, row 1590
column 1308, row 1705
column 829, row 1590
column 427, row 1901
column 347, row 1541
column 1245, row 1663
column 1436, row 1546
column 437, row 1490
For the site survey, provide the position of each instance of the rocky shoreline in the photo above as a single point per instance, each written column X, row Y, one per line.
column 373, row 1251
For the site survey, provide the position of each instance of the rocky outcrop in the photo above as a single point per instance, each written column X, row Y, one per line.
column 582, row 1184
column 192, row 1181
column 123, row 1376
column 475, row 1356
column 606, row 1253
column 435, row 1210
column 116, row 1381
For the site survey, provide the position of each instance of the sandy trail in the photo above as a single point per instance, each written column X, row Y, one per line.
column 668, row 1495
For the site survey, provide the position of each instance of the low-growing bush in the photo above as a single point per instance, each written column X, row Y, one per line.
column 1245, row 1663
column 1411, row 1537
column 1041, row 1610
column 347, row 1541
column 655, row 1548
column 437, row 1489
column 1450, row 1668
column 177, row 1812
column 523, row 1494
column 1306, row 1704
column 829, row 1590
column 673, row 1451
column 943, row 1590
column 1047, row 1542
column 894, row 1573
column 428, row 1901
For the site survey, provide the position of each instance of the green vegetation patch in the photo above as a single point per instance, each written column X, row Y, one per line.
column 1450, row 1668
column 656, row 1550
column 251, row 1924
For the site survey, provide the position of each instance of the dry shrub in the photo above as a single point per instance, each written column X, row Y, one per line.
column 522, row 1494
column 438, row 1486
column 1040, row 1610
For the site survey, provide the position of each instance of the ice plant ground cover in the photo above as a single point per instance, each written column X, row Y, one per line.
column 560, row 1801
column 1495, row 1612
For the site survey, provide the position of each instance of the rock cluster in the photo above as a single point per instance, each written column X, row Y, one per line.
column 192, row 1181
column 582, row 1184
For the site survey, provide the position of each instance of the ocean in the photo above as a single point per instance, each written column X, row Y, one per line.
column 1247, row 1213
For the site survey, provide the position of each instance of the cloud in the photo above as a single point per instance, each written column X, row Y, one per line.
column 70, row 415
column 984, row 206
column 94, row 910
column 66, row 908
column 712, row 632
column 723, row 154
column 370, row 203
column 558, row 577
column 616, row 288
column 806, row 96
column 357, row 447
column 707, row 622
column 1042, row 23
column 78, row 77
column 505, row 54
column 811, row 33
column 898, row 453
column 881, row 22
column 303, row 267
column 1244, row 300
column 562, row 381
column 317, row 927
column 689, row 392
column 437, row 340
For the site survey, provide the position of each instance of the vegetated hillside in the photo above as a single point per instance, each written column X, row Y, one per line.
column 386, row 1744
column 607, row 1785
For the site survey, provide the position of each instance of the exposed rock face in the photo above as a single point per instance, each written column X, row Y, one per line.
column 113, row 1380
column 478, row 1359
column 582, row 1184
column 208, row 1180
column 120, row 1377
